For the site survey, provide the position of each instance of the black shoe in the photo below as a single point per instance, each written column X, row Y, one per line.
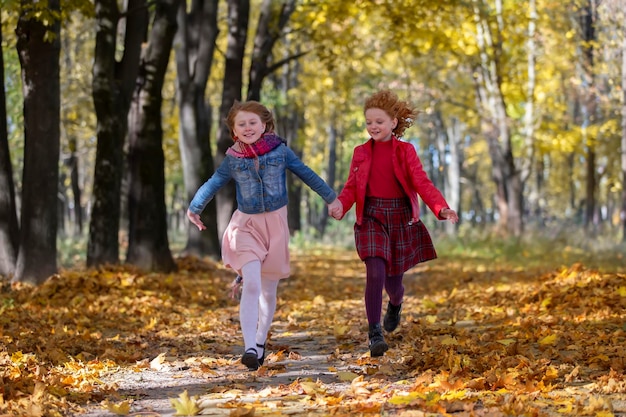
column 250, row 359
column 377, row 343
column 262, row 358
column 392, row 317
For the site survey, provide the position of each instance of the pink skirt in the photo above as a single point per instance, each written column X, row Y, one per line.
column 263, row 236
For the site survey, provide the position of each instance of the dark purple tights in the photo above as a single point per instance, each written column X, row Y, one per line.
column 377, row 279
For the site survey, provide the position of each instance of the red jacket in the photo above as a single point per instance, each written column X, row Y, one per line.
column 408, row 170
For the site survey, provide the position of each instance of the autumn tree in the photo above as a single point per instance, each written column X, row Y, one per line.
column 623, row 141
column 587, row 20
column 38, row 44
column 148, row 244
column 8, row 215
column 113, row 85
column 194, row 46
column 273, row 19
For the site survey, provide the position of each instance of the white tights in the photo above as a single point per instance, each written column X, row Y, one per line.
column 257, row 306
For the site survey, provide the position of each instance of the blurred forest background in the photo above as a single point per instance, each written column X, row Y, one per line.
column 112, row 117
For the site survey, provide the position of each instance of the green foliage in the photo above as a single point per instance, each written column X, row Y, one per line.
column 550, row 245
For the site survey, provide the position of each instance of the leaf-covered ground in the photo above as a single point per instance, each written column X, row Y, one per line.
column 479, row 337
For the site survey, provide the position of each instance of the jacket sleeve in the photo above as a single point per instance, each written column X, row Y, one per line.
column 424, row 187
column 347, row 196
column 208, row 190
column 309, row 177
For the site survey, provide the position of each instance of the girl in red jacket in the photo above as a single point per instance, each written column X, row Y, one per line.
column 386, row 176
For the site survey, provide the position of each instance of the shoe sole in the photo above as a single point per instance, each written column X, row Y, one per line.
column 378, row 349
column 251, row 361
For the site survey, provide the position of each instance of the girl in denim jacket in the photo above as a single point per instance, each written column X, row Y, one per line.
column 256, row 241
column 385, row 179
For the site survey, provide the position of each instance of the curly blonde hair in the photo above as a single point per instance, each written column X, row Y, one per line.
column 252, row 107
column 389, row 102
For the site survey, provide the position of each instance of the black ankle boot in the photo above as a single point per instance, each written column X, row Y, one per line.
column 377, row 343
column 392, row 317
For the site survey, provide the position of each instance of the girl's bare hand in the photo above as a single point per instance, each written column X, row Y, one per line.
column 449, row 215
column 195, row 219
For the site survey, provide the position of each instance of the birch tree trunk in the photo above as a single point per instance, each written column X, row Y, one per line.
column 495, row 122
column 453, row 171
column 529, row 116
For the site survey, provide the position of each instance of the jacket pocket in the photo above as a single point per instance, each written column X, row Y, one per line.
column 240, row 170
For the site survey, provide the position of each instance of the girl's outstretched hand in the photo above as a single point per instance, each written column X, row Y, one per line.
column 449, row 215
column 335, row 209
column 195, row 219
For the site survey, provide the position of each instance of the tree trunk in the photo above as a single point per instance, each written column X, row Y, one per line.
column 238, row 14
column 496, row 123
column 623, row 212
column 195, row 46
column 272, row 20
column 9, row 231
column 39, row 60
column 289, row 119
column 587, row 22
column 76, row 192
column 529, row 115
column 331, row 167
column 453, row 171
column 148, row 246
column 113, row 85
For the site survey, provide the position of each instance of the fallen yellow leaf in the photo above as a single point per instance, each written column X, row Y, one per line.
column 548, row 340
column 346, row 376
column 506, row 342
column 120, row 409
column 184, row 405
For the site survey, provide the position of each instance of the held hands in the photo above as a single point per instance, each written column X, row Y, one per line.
column 449, row 214
column 335, row 209
column 195, row 219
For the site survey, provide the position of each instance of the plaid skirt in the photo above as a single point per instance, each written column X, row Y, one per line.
column 386, row 233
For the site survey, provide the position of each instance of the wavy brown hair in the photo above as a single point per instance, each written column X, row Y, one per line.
column 389, row 102
column 253, row 107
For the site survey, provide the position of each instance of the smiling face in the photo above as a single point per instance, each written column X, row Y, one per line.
column 379, row 124
column 248, row 127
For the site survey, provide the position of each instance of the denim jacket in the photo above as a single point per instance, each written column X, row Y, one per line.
column 264, row 189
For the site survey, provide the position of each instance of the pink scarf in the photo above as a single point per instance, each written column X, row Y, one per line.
column 266, row 143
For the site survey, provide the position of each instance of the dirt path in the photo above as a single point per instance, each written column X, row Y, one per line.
column 292, row 357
